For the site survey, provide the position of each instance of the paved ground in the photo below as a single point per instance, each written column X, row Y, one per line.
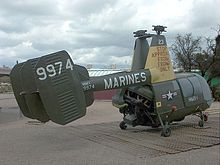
column 96, row 139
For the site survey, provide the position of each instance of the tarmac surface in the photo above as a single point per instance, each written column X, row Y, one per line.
column 97, row 139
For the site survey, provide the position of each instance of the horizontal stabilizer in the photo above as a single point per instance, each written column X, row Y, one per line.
column 49, row 88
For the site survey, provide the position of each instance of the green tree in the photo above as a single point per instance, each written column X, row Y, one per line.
column 215, row 67
column 204, row 59
column 185, row 49
column 213, row 73
column 190, row 55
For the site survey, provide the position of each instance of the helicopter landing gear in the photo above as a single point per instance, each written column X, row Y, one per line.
column 201, row 123
column 203, row 118
column 205, row 115
column 166, row 130
column 123, row 125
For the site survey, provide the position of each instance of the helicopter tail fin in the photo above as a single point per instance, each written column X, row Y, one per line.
column 158, row 60
column 49, row 88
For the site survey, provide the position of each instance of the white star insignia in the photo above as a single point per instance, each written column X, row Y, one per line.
column 169, row 95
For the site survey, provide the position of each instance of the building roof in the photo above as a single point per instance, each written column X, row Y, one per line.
column 5, row 71
column 102, row 72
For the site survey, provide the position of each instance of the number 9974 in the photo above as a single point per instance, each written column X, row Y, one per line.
column 51, row 71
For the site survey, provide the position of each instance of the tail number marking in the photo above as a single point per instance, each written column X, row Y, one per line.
column 52, row 70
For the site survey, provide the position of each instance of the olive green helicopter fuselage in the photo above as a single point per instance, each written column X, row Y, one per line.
column 52, row 87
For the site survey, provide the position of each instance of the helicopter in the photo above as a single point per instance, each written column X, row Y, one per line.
column 53, row 88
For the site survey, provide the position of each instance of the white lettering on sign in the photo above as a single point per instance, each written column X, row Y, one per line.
column 108, row 85
column 193, row 98
column 52, row 70
column 122, row 80
column 87, row 86
column 125, row 80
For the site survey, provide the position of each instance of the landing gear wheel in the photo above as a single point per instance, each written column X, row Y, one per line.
column 123, row 125
column 201, row 123
column 166, row 131
column 202, row 117
column 205, row 116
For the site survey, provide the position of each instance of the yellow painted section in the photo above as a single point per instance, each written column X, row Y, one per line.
column 159, row 64
column 158, row 104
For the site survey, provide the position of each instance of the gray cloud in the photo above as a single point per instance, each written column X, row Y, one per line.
column 87, row 7
column 205, row 13
column 96, row 32
column 28, row 8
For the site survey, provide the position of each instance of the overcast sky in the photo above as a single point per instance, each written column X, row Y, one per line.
column 95, row 31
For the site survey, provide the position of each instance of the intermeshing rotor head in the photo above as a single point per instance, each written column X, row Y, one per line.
column 143, row 33
column 159, row 29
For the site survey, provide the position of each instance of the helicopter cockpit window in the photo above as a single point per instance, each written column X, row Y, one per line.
column 196, row 85
column 186, row 87
column 206, row 92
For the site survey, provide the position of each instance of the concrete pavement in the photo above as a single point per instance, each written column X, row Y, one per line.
column 96, row 139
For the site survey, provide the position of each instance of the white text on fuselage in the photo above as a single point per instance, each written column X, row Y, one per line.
column 124, row 80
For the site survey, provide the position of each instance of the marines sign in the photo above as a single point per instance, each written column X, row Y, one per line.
column 124, row 80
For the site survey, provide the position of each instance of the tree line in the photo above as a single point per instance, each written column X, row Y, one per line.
column 199, row 53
